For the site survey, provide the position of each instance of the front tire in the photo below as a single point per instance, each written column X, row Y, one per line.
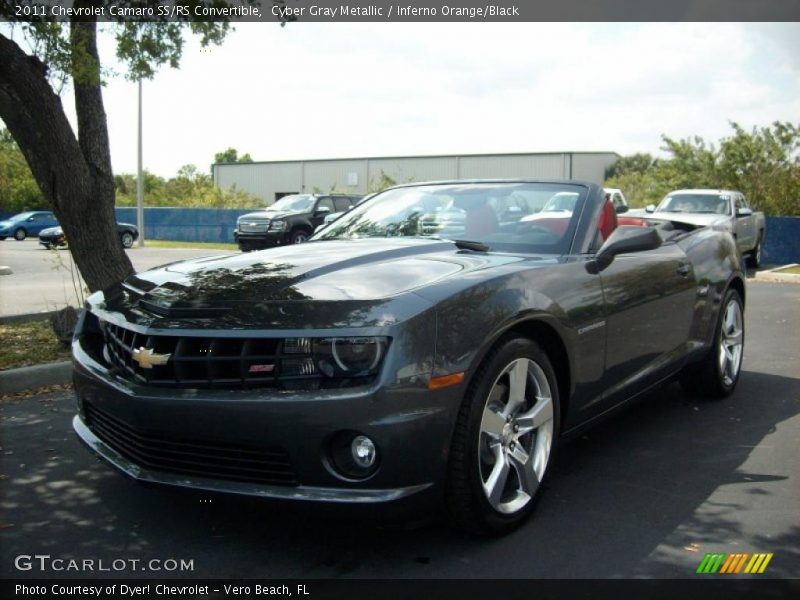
column 127, row 239
column 20, row 234
column 718, row 373
column 298, row 236
column 504, row 439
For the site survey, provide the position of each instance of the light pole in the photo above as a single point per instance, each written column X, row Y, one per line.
column 140, row 178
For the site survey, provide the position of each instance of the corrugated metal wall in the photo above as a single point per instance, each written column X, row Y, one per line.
column 268, row 180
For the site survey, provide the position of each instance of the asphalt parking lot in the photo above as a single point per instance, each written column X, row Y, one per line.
column 644, row 494
column 42, row 279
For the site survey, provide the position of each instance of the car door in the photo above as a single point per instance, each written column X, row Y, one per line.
column 745, row 225
column 39, row 221
column 649, row 299
column 318, row 216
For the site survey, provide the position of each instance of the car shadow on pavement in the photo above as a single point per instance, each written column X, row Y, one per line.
column 643, row 494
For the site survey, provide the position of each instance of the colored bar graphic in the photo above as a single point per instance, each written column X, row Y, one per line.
column 734, row 563
column 758, row 563
column 711, row 563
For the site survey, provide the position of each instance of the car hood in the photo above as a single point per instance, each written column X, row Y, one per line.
column 4, row 224
column 51, row 231
column 297, row 285
column 327, row 270
column 701, row 219
column 270, row 214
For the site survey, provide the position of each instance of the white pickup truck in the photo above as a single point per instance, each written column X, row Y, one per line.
column 723, row 209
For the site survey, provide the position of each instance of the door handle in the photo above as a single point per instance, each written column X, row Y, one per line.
column 683, row 269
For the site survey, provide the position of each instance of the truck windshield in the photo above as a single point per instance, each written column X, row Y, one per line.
column 294, row 203
column 696, row 203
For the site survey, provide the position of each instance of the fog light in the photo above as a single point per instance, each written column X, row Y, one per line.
column 353, row 455
column 364, row 452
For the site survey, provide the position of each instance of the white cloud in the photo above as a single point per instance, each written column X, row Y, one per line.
column 322, row 90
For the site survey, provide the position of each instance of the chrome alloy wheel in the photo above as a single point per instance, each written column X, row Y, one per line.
column 731, row 342
column 516, row 435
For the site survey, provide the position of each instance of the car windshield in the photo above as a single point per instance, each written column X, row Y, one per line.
column 696, row 203
column 294, row 203
column 21, row 216
column 464, row 212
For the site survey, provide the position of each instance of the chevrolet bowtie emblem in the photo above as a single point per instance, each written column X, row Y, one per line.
column 147, row 359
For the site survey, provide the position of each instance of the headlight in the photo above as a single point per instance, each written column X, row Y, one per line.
column 277, row 226
column 349, row 357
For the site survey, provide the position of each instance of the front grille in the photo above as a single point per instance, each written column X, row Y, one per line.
column 204, row 458
column 254, row 226
column 210, row 362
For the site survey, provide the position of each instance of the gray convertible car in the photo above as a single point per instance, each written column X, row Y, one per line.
column 381, row 364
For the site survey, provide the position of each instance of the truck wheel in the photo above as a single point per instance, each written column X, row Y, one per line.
column 754, row 258
column 298, row 236
column 504, row 439
column 717, row 374
column 20, row 234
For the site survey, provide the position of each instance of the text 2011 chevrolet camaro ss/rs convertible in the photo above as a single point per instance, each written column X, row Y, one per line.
column 392, row 361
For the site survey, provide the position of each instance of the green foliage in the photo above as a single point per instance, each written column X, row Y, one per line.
column 383, row 182
column 764, row 164
column 189, row 188
column 231, row 155
column 640, row 162
column 18, row 189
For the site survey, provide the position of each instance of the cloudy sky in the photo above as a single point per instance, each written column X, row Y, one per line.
column 316, row 90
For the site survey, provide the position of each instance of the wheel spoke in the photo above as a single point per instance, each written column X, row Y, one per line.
column 734, row 338
column 496, row 482
column 729, row 318
column 492, row 423
column 521, row 462
column 541, row 413
column 517, row 385
column 542, row 451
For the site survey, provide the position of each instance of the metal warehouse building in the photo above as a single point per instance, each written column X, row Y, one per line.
column 274, row 179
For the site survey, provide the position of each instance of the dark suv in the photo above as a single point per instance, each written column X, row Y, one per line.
column 291, row 220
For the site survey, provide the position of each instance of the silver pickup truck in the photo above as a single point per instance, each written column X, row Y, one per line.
column 722, row 209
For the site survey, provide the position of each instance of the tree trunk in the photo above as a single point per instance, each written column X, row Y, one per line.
column 74, row 173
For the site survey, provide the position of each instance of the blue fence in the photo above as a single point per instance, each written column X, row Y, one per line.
column 185, row 224
column 782, row 244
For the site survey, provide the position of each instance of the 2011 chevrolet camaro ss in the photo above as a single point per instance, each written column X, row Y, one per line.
column 431, row 345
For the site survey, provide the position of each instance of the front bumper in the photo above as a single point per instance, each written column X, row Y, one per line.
column 410, row 425
column 261, row 239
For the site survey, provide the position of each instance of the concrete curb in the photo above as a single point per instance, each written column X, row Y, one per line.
column 775, row 275
column 28, row 378
column 27, row 317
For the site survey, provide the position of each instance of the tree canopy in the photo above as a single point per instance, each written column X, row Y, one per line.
column 763, row 163
column 41, row 58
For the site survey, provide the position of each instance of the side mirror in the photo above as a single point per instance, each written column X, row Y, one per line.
column 744, row 212
column 624, row 239
column 650, row 208
column 29, row 219
column 620, row 208
column 322, row 211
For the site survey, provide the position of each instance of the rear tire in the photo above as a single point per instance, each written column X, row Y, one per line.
column 504, row 439
column 754, row 258
column 127, row 239
column 718, row 373
column 20, row 234
column 2, row 237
